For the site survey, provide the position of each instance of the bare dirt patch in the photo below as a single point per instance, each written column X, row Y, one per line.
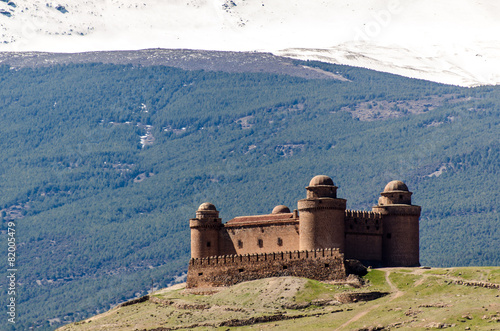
column 382, row 110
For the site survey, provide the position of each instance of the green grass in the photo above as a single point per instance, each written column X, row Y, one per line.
column 404, row 281
column 314, row 290
column 494, row 275
column 376, row 279
column 485, row 274
column 405, row 270
column 426, row 298
column 437, row 271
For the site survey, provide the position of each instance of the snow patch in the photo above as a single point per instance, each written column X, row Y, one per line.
column 447, row 41
column 438, row 172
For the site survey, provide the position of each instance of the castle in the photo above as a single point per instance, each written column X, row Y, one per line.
column 318, row 240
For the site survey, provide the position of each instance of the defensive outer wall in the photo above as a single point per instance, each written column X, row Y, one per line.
column 321, row 264
column 317, row 241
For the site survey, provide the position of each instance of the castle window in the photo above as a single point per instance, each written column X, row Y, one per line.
column 388, row 236
column 285, row 267
column 327, row 265
column 350, row 226
column 240, row 244
column 260, row 243
column 200, row 274
column 241, row 270
column 209, row 244
column 368, row 227
column 280, row 242
column 400, row 197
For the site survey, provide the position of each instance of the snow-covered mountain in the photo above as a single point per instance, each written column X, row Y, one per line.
column 449, row 41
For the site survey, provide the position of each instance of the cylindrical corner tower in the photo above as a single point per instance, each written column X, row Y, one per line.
column 321, row 216
column 400, row 241
column 205, row 230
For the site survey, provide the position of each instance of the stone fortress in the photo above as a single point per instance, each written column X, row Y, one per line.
column 318, row 240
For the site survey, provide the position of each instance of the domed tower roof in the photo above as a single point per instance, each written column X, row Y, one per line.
column 281, row 209
column 395, row 193
column 321, row 180
column 206, row 206
column 207, row 210
column 321, row 186
column 396, row 185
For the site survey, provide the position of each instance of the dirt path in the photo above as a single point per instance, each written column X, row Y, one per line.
column 396, row 293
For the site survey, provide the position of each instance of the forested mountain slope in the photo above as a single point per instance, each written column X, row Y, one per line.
column 103, row 165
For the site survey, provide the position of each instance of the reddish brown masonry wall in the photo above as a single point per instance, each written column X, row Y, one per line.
column 363, row 236
column 321, row 223
column 278, row 236
column 321, row 264
column 400, row 241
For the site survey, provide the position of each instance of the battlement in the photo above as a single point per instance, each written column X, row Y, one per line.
column 275, row 256
column 362, row 214
column 363, row 222
column 321, row 264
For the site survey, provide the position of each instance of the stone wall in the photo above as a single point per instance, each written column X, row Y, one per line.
column 363, row 236
column 321, row 264
column 260, row 238
column 321, row 223
column 365, row 248
column 363, row 222
column 400, row 240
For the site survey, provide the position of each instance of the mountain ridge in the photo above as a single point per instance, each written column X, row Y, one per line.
column 187, row 59
column 448, row 41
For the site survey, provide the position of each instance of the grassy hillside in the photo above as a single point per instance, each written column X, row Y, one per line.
column 103, row 165
column 411, row 299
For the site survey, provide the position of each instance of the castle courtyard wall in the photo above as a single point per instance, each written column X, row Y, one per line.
column 366, row 248
column 363, row 236
column 257, row 238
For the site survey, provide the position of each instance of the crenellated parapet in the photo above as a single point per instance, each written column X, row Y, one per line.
column 363, row 214
column 363, row 222
column 275, row 256
column 320, row 264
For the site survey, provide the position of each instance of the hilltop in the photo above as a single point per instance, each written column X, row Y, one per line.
column 403, row 298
